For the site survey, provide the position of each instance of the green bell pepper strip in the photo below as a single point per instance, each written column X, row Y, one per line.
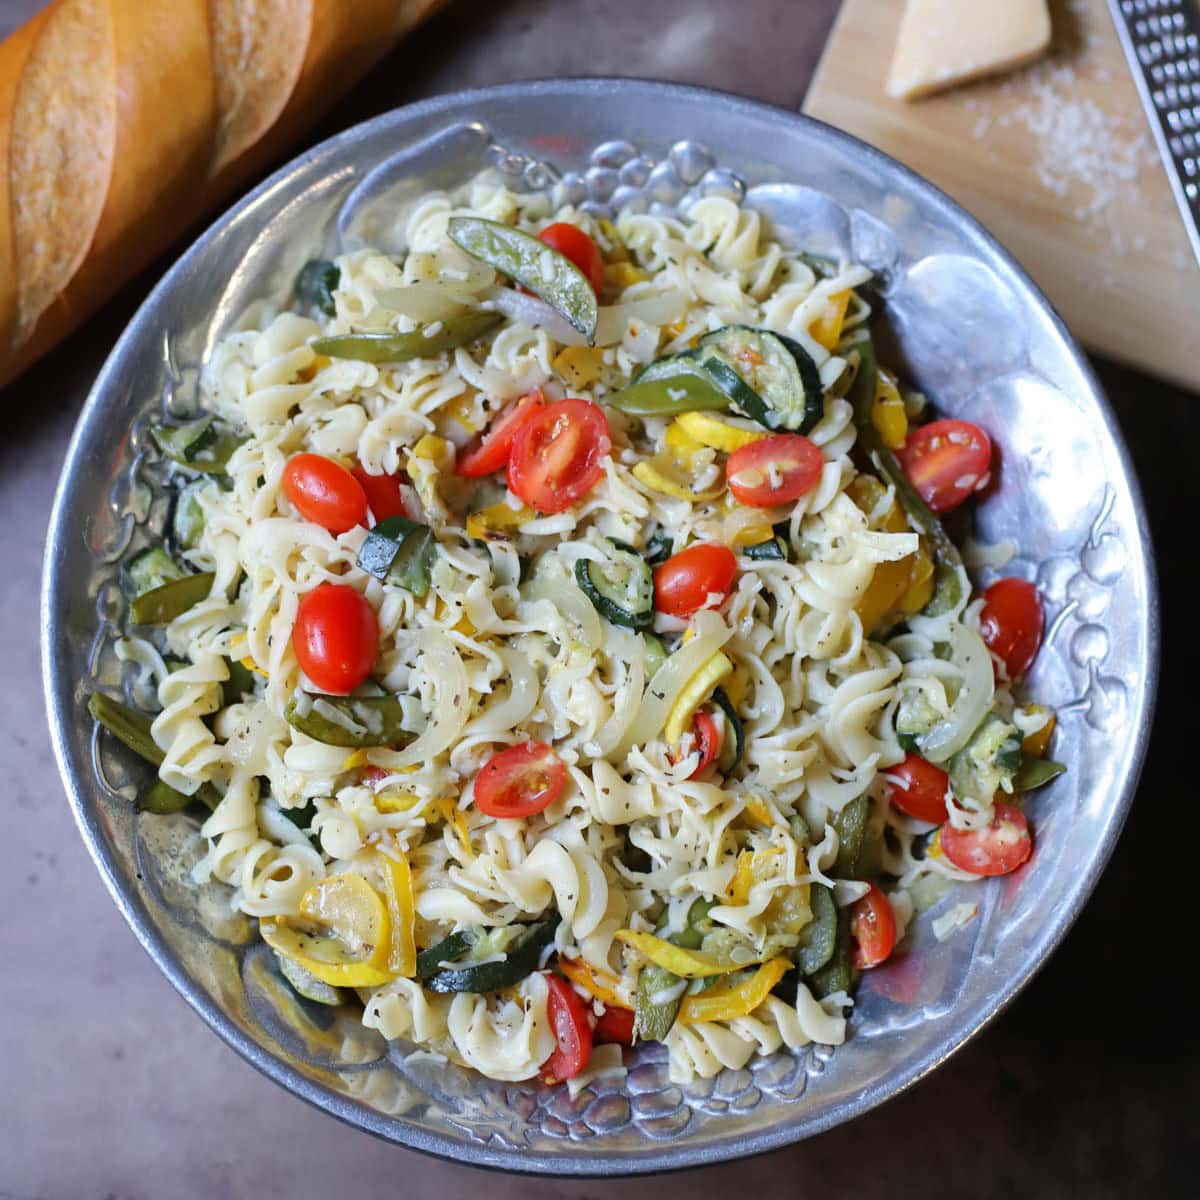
column 530, row 262
column 132, row 729
column 851, row 826
column 1034, row 772
column 376, row 720
column 838, row 973
column 401, row 347
column 947, row 589
column 400, row 551
column 818, row 939
column 204, row 445
column 521, row 959
column 653, row 1018
column 691, row 390
column 161, row 605
column 315, row 284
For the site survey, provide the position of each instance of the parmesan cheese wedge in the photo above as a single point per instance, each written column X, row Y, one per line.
column 943, row 43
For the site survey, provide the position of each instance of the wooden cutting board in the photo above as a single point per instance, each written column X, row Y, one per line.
column 1057, row 160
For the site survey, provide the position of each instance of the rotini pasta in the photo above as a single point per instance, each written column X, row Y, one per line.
column 518, row 666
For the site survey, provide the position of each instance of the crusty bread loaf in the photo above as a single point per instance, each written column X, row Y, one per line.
column 122, row 121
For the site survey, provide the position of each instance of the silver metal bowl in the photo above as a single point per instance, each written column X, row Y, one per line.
column 975, row 333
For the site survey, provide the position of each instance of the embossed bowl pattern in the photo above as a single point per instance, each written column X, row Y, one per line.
column 971, row 329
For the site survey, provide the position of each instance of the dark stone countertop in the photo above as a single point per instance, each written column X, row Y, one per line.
column 112, row 1088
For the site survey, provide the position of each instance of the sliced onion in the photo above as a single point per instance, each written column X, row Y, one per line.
column 631, row 650
column 521, row 700
column 561, row 590
column 425, row 302
column 711, row 633
column 536, row 314
column 441, row 662
column 974, row 699
column 612, row 321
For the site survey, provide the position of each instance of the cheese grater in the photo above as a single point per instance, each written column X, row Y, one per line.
column 1161, row 40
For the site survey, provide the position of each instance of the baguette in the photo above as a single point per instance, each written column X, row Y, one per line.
column 123, row 121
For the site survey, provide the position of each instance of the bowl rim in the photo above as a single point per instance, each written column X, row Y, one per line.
column 398, row 1130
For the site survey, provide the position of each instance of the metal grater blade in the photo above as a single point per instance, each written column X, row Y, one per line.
column 1161, row 40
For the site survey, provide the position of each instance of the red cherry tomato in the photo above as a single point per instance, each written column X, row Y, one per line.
column 490, row 453
column 572, row 1030
column 384, row 494
column 921, row 790
column 336, row 637
column 708, row 740
column 615, row 1024
column 520, row 781
column 996, row 849
column 1011, row 623
column 946, row 461
column 774, row 470
column 873, row 927
column 571, row 242
column 324, row 492
column 372, row 775
column 684, row 583
column 558, row 455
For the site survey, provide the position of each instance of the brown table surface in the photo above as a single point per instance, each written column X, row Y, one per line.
column 1087, row 1086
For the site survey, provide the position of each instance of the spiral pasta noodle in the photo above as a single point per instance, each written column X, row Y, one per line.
column 709, row 780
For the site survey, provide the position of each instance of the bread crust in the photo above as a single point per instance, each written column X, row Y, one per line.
column 123, row 121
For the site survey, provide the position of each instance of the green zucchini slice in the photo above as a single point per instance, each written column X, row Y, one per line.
column 204, row 445
column 768, row 377
column 621, row 588
column 149, row 569
column 521, row 958
column 734, row 743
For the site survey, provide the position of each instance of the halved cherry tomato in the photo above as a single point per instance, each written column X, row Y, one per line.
column 520, row 781
column 572, row 1030
column 324, row 492
column 614, row 1025
column 373, row 775
column 384, row 494
column 1011, row 623
column 558, row 455
column 922, row 789
column 490, row 453
column 774, row 470
column 873, row 927
column 686, row 581
column 708, row 740
column 571, row 242
column 336, row 637
column 946, row 461
column 996, row 849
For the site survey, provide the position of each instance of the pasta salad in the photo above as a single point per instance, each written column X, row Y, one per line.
column 556, row 627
